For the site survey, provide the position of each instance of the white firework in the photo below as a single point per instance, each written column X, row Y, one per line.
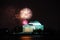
column 25, row 13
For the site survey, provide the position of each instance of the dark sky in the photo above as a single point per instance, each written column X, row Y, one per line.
column 43, row 10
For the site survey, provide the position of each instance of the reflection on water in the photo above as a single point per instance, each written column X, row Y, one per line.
column 26, row 38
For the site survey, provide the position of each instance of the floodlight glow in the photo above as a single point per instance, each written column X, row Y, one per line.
column 27, row 28
column 26, row 13
column 35, row 23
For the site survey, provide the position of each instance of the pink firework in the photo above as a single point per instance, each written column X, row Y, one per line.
column 24, row 22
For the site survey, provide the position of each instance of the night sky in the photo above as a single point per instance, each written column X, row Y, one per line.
column 43, row 10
